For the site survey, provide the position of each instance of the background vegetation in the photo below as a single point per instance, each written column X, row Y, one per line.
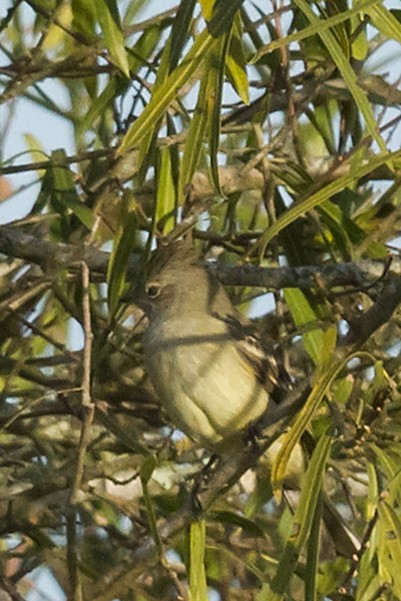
column 272, row 130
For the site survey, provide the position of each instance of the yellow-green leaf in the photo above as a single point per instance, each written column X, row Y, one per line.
column 117, row 267
column 325, row 193
column 348, row 74
column 166, row 193
column 303, row 315
column 385, row 21
column 197, row 574
column 301, row 525
column 108, row 17
column 315, row 398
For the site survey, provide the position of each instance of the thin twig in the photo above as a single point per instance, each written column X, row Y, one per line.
column 87, row 404
column 89, row 408
column 86, row 395
column 75, row 593
column 68, row 160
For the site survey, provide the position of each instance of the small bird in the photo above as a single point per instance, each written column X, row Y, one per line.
column 201, row 355
column 207, row 367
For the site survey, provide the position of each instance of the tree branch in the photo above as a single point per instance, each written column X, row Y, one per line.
column 363, row 326
column 49, row 255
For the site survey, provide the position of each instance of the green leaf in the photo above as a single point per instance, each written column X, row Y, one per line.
column 360, row 44
column 36, row 150
column 223, row 15
column 206, row 119
column 315, row 28
column 84, row 15
column 373, row 492
column 113, row 90
column 236, row 61
column 163, row 96
column 319, row 197
column 385, row 21
column 147, row 468
column 313, row 549
column 303, row 315
column 118, row 85
column 329, row 343
column 302, row 522
column 204, row 44
column 348, row 74
column 195, row 139
column 64, row 197
column 197, row 574
column 166, row 200
column 389, row 546
column 214, row 99
column 109, row 19
column 180, row 31
column 229, row 517
column 388, row 464
column 207, row 8
column 315, row 398
column 124, row 243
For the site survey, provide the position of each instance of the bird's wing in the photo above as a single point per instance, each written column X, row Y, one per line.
column 263, row 363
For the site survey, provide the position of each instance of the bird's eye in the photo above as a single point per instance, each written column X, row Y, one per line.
column 153, row 291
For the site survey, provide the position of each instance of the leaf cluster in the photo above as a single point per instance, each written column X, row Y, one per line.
column 269, row 131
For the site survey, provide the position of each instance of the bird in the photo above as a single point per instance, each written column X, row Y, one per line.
column 209, row 369
column 202, row 356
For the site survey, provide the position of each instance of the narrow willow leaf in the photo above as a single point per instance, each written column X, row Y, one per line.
column 229, row 517
column 344, row 229
column 302, row 522
column 166, row 201
column 329, row 343
column 147, row 144
column 368, row 581
column 108, row 17
column 161, row 98
column 64, row 195
column 347, row 73
column 325, row 193
column 389, row 545
column 293, row 436
column 56, row 35
column 180, row 31
column 314, row 28
column 206, row 119
column 359, row 44
column 197, row 574
column 118, row 85
column 194, row 141
column 102, row 102
column 223, row 14
column 313, row 549
column 236, row 62
column 214, row 99
column 207, row 8
column 168, row 63
column 373, row 492
column 303, row 314
column 146, row 472
column 385, row 21
column 116, row 271
column 84, row 16
column 388, row 464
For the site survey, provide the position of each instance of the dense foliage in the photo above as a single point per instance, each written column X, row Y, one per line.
column 269, row 131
